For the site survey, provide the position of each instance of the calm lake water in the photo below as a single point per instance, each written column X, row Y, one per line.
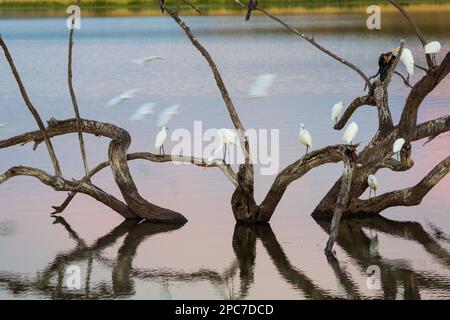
column 210, row 257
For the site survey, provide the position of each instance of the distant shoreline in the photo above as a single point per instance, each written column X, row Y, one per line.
column 137, row 8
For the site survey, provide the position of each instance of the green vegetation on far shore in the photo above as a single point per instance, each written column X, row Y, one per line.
column 10, row 8
column 206, row 4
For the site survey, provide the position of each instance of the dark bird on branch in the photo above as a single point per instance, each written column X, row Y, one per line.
column 252, row 5
column 385, row 62
column 161, row 5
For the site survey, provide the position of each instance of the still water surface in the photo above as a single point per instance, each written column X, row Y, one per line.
column 210, row 257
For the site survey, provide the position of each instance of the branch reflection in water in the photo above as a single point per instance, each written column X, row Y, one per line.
column 396, row 277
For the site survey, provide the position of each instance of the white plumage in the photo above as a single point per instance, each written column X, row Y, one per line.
column 2, row 125
column 398, row 144
column 122, row 97
column 167, row 114
column 408, row 61
column 350, row 132
column 161, row 137
column 373, row 184
column 260, row 87
column 226, row 137
column 305, row 137
column 336, row 111
column 143, row 111
column 433, row 47
column 147, row 59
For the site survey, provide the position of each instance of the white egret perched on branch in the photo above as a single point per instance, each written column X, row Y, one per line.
column 122, row 97
column 373, row 184
column 260, row 87
column 398, row 144
column 167, row 114
column 432, row 48
column 305, row 137
column 350, row 132
column 143, row 111
column 336, row 111
column 227, row 137
column 408, row 61
column 161, row 137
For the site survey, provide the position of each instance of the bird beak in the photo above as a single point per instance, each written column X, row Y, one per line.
column 396, row 49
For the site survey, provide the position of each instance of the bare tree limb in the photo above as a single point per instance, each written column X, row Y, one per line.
column 57, row 128
column 405, row 197
column 220, row 84
column 295, row 171
column 354, row 105
column 229, row 173
column 73, row 96
column 32, row 109
column 433, row 128
column 342, row 202
column 420, row 90
column 65, row 185
column 313, row 42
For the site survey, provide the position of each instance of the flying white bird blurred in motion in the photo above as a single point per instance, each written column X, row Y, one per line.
column 432, row 48
column 161, row 137
column 167, row 114
column 260, row 87
column 336, row 111
column 398, row 144
column 147, row 59
column 373, row 184
column 2, row 125
column 305, row 137
column 122, row 97
column 350, row 133
column 143, row 111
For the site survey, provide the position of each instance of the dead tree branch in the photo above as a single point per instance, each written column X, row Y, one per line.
column 354, row 105
column 32, row 109
column 342, row 200
column 313, row 42
column 73, row 96
column 220, row 84
column 406, row 197
column 65, row 185
column 295, row 171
